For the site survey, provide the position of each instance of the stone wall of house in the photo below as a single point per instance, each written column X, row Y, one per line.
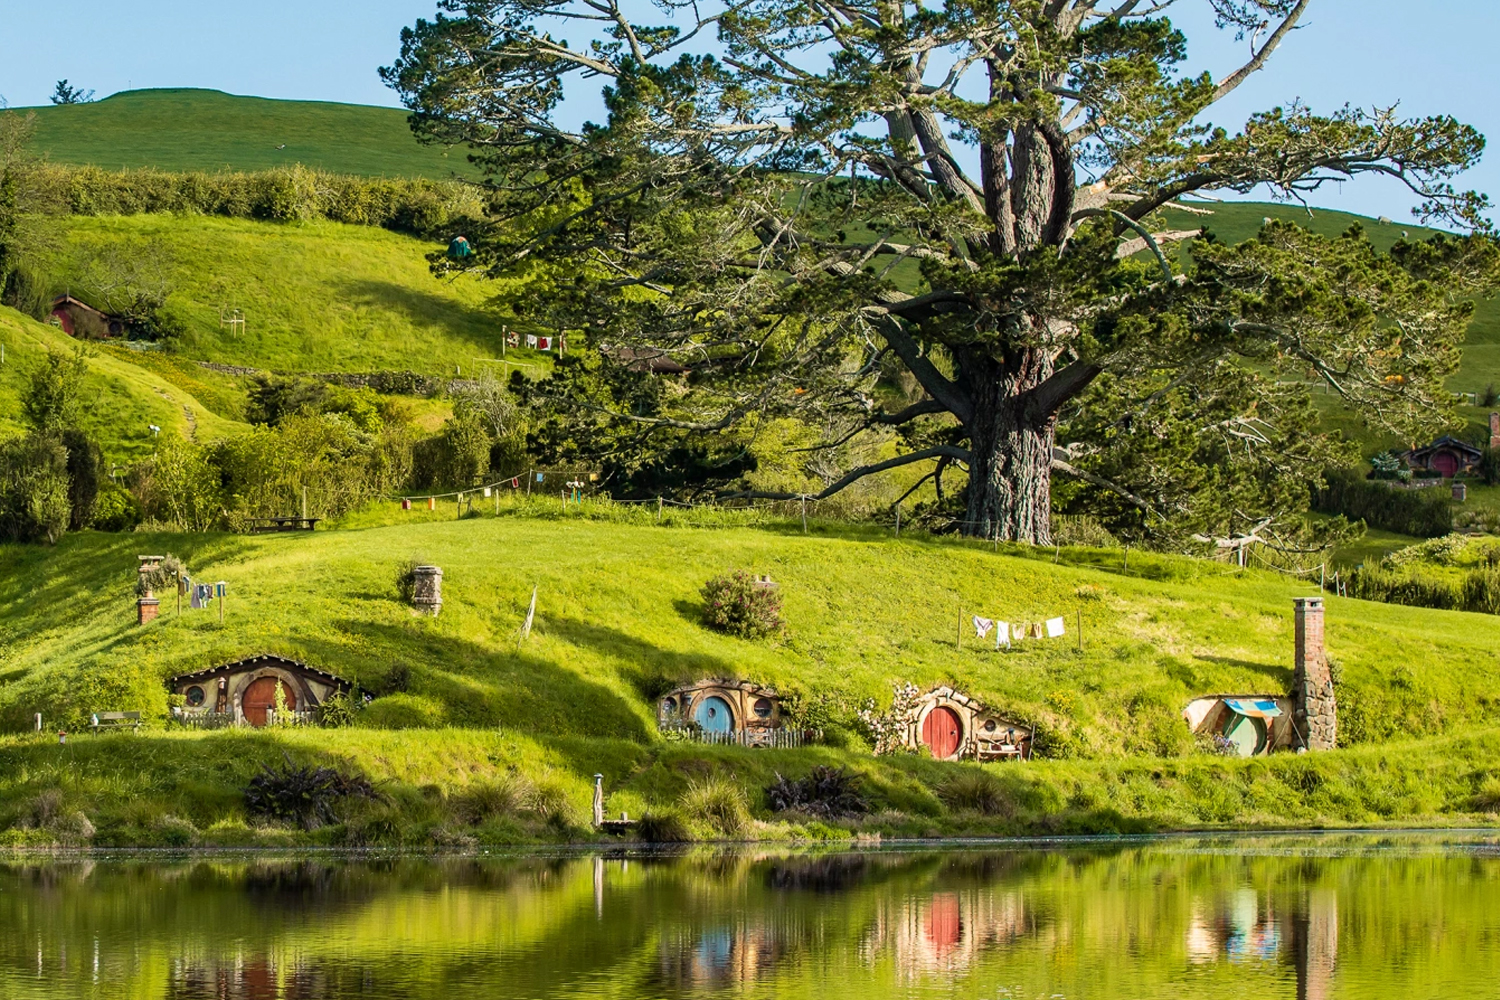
column 1314, row 704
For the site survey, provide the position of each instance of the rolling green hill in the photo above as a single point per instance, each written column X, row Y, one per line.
column 187, row 129
column 316, row 296
column 618, row 623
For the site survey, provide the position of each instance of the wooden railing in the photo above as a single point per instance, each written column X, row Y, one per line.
column 780, row 739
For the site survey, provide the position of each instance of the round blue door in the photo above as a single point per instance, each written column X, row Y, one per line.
column 713, row 715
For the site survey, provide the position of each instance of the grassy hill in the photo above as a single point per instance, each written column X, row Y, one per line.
column 123, row 396
column 316, row 296
column 618, row 623
column 188, row 129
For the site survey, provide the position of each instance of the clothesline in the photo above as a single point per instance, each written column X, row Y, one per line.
column 1005, row 632
column 516, row 480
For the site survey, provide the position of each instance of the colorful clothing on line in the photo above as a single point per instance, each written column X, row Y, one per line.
column 983, row 626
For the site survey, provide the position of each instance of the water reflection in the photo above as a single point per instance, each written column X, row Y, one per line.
column 1408, row 918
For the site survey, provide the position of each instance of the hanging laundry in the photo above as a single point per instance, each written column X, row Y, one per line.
column 538, row 477
column 983, row 626
column 220, row 589
column 513, row 339
column 1037, row 630
column 515, row 483
column 544, row 343
column 1002, row 634
column 195, row 601
column 530, row 340
column 184, row 584
column 486, row 491
column 1055, row 627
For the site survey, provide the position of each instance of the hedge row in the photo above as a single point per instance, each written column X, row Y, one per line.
column 1423, row 513
column 1478, row 590
column 421, row 207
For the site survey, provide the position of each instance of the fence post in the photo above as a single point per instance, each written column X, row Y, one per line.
column 804, row 513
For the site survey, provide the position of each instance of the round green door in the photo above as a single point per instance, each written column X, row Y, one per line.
column 1247, row 734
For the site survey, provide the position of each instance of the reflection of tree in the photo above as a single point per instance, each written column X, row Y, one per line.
column 1315, row 944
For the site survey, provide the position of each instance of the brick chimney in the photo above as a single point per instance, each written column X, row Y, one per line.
column 1495, row 430
column 1314, row 706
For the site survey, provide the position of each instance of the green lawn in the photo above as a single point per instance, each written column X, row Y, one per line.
column 186, row 129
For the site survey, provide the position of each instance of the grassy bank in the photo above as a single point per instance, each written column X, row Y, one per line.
column 465, row 787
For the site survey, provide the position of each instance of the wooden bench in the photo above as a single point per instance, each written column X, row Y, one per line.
column 108, row 721
column 271, row 525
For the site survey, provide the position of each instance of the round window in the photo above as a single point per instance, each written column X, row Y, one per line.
column 194, row 696
column 763, row 707
column 669, row 705
column 989, row 726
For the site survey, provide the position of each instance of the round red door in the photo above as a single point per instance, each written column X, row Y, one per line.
column 1445, row 464
column 941, row 731
column 261, row 695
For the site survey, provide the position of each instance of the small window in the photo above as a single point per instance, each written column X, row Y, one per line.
column 763, row 707
column 194, row 696
column 990, row 726
column 669, row 705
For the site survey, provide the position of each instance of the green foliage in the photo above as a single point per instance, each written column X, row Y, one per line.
column 85, row 470
column 34, row 489
column 1424, row 513
column 406, row 583
column 116, row 509
column 63, row 93
column 977, row 791
column 663, row 826
column 52, row 400
column 740, row 604
column 338, row 710
column 162, row 578
column 719, row 805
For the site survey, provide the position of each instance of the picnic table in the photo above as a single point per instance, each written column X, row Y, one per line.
column 270, row 525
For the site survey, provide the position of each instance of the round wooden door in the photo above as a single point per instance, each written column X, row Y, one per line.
column 261, row 695
column 1445, row 464
column 1248, row 735
column 713, row 715
column 942, row 732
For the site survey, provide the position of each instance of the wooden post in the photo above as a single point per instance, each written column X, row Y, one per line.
column 304, row 503
column 530, row 475
column 658, row 509
column 222, row 598
column 898, row 520
column 804, row 513
column 39, row 722
column 958, row 636
column 1080, row 630
column 1322, row 576
column 598, row 800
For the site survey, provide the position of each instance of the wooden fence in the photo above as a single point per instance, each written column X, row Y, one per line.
column 781, row 739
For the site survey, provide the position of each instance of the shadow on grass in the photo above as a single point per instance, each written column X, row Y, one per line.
column 426, row 309
column 1281, row 675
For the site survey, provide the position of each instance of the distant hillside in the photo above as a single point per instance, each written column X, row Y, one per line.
column 210, row 130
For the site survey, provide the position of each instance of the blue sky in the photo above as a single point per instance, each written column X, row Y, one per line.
column 1364, row 52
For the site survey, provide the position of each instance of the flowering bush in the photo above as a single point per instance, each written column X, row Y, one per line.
column 887, row 730
column 742, row 605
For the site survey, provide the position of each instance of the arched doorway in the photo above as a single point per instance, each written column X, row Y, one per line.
column 1445, row 464
column 1248, row 735
column 942, row 732
column 261, row 695
column 713, row 715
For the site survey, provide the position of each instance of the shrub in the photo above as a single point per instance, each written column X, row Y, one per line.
column 825, row 791
column 551, row 802
column 115, row 509
column 305, row 795
column 719, row 805
column 406, row 582
column 972, row 790
column 1424, row 513
column 741, row 605
column 663, row 828
column 339, row 710
column 886, row 730
column 161, row 579
column 487, row 800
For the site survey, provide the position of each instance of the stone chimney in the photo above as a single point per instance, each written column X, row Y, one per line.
column 1314, row 706
column 427, row 594
column 1495, row 430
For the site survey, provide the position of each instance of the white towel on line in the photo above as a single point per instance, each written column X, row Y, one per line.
column 1055, row 627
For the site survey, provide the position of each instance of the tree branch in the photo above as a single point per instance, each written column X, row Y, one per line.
column 942, row 451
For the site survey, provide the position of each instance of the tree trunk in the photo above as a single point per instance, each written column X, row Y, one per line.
column 1011, row 436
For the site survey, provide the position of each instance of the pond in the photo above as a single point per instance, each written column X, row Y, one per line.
column 1366, row 917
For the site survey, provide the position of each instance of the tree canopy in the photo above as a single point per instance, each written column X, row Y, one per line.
column 945, row 221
